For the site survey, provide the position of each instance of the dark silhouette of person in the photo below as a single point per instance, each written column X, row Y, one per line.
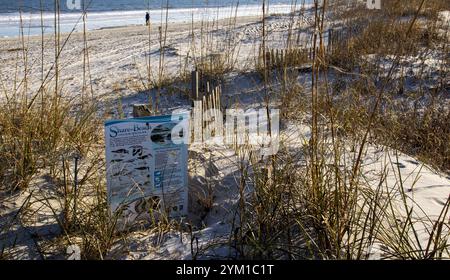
column 147, row 18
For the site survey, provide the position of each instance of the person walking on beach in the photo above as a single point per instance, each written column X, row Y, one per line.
column 147, row 18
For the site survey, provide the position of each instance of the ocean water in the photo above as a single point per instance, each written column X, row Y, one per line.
column 115, row 13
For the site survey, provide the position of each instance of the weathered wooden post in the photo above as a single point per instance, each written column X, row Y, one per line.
column 207, row 87
column 277, row 58
column 210, row 105
column 195, row 84
column 272, row 58
column 198, row 121
column 219, row 94
column 204, row 116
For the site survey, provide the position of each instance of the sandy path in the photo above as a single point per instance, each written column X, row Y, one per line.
column 118, row 56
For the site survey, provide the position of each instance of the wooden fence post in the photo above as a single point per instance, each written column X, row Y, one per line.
column 198, row 121
column 195, row 83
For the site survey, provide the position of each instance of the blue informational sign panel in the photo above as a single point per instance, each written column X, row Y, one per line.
column 146, row 160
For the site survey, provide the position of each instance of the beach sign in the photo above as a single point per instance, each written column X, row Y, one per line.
column 146, row 167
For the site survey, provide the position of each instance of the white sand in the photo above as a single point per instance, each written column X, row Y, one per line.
column 118, row 56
